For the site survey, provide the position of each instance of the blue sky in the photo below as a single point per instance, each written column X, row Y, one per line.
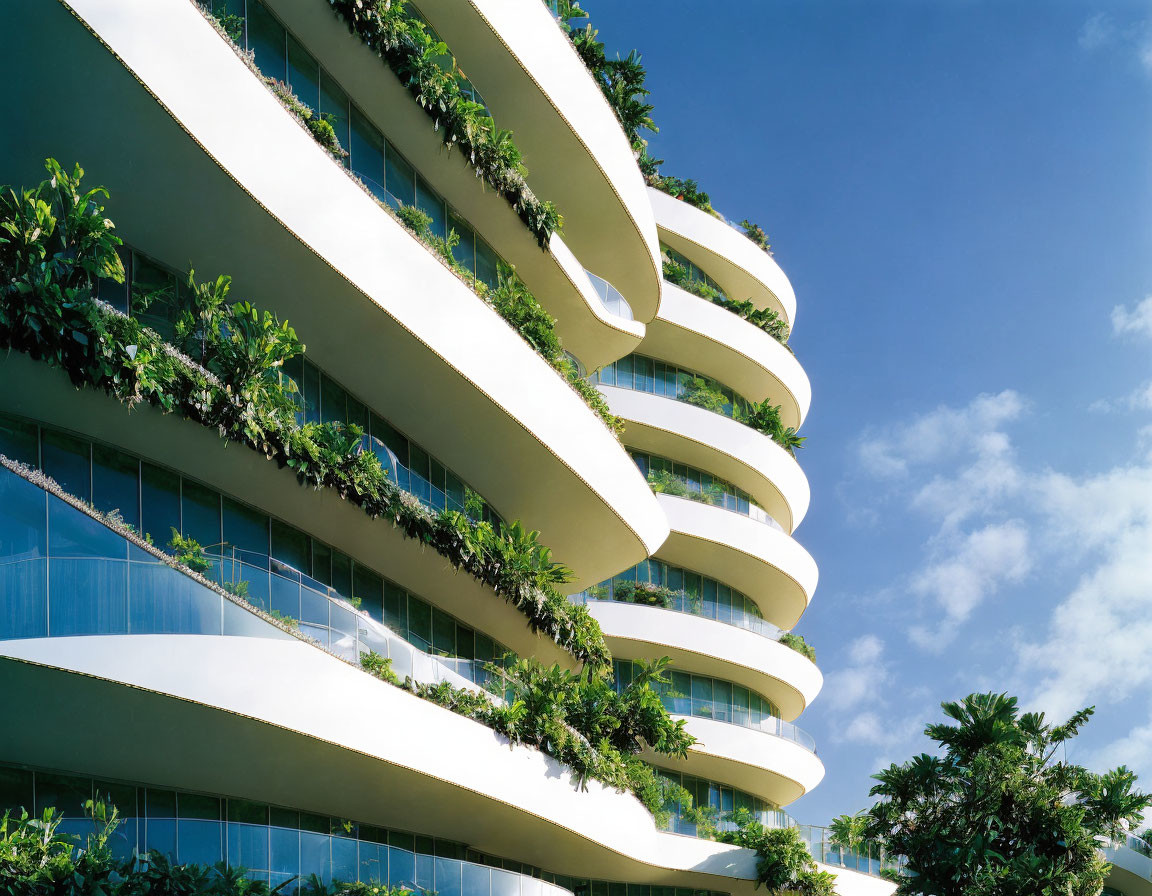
column 961, row 195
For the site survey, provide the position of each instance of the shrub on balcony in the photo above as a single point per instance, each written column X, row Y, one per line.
column 407, row 48
column 55, row 243
column 783, row 862
column 797, row 643
column 645, row 593
column 578, row 718
column 763, row 318
column 765, row 418
column 664, row 482
column 514, row 302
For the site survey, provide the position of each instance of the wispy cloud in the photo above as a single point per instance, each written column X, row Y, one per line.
column 1136, row 321
column 1101, row 33
column 1097, row 31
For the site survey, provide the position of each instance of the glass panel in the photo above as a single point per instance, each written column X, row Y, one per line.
column 487, row 264
column 245, row 529
column 266, row 39
column 419, row 623
column 334, row 106
column 290, row 546
column 303, row 74
column 160, row 503
column 16, row 790
column 87, row 597
column 333, row 401
column 19, row 440
column 369, row 588
column 443, row 633
column 200, row 513
column 401, row 179
column 200, row 841
column 464, row 251
column 429, row 202
column 116, row 484
column 155, row 297
column 66, row 459
column 367, row 150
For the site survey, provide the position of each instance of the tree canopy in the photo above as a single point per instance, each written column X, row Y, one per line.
column 1001, row 812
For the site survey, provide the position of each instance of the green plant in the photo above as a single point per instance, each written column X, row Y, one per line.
column 797, row 643
column 783, row 863
column 756, row 233
column 664, row 482
column 513, row 301
column 319, row 126
column 704, row 394
column 849, row 831
column 406, row 47
column 684, row 190
column 765, row 417
column 55, row 242
column 644, row 593
column 997, row 811
column 188, row 552
column 285, row 619
column 379, row 667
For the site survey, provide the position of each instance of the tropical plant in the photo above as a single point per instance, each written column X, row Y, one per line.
column 998, row 812
column 406, row 47
column 797, row 643
column 55, row 243
column 579, row 718
column 319, row 126
column 188, row 552
column 646, row 593
column 783, row 863
column 849, row 831
column 514, row 302
column 756, row 233
column 704, row 394
column 685, row 190
column 765, row 418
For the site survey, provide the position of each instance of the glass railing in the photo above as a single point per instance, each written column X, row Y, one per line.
column 753, row 512
column 610, row 297
column 869, row 860
column 731, row 715
column 682, row 602
column 64, row 573
column 277, row 855
column 643, row 374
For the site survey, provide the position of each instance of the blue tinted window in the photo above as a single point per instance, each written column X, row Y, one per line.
column 19, row 440
column 66, row 459
column 116, row 483
column 200, row 508
column 266, row 39
column 368, row 153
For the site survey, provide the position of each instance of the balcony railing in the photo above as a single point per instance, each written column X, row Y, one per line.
column 753, row 512
column 682, row 602
column 731, row 715
column 610, row 297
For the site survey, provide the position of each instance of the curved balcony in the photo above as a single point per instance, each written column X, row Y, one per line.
column 64, row 573
column 718, row 444
column 257, row 197
column 331, row 740
column 1131, row 872
column 775, row 761
column 576, row 152
column 46, row 395
column 554, row 276
column 699, row 334
column 710, row 647
column 767, row 565
column 610, row 297
column 743, row 269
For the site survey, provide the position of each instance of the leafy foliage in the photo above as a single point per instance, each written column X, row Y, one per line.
column 765, row 417
column 319, row 126
column 406, row 47
column 37, row 859
column 797, row 643
column 998, row 812
column 646, row 593
column 756, row 233
column 783, row 864
column 664, row 482
column 684, row 190
column 578, row 718
column 514, row 302
column 55, row 243
column 764, row 318
column 188, row 552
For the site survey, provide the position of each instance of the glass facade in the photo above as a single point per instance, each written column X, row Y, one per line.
column 276, row 566
column 371, row 156
column 719, row 802
column 319, row 397
column 693, row 593
column 644, row 374
column 680, row 480
column 275, row 844
column 722, row 701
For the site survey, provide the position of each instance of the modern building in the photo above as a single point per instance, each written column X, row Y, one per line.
column 234, row 722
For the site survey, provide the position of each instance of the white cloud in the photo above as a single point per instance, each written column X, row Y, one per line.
column 1097, row 31
column 860, row 679
column 1138, row 320
column 1139, row 399
column 974, row 568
